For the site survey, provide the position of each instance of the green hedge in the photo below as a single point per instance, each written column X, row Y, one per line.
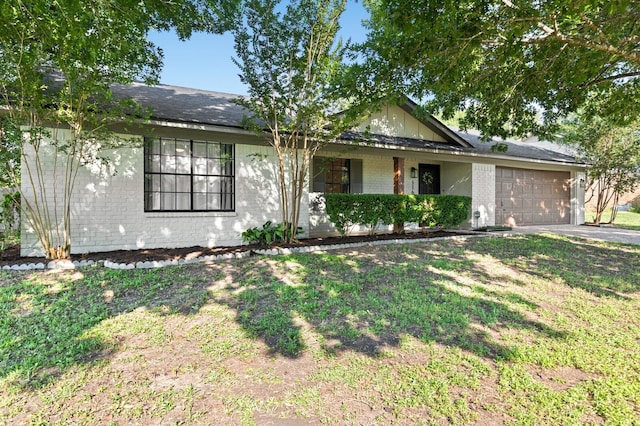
column 346, row 210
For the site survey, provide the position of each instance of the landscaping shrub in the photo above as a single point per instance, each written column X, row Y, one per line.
column 269, row 233
column 347, row 210
column 9, row 220
column 10, row 211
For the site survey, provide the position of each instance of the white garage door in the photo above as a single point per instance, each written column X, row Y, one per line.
column 532, row 197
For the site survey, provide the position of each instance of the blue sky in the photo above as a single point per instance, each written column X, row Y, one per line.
column 204, row 61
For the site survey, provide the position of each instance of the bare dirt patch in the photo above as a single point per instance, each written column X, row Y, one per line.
column 561, row 378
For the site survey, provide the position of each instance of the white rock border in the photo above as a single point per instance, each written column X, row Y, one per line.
column 153, row 264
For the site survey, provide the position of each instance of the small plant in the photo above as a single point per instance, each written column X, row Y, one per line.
column 270, row 233
column 10, row 220
column 635, row 205
column 9, row 211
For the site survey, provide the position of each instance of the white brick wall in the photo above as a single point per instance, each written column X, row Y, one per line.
column 483, row 194
column 108, row 211
column 578, row 181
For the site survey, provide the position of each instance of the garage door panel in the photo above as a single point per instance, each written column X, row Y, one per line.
column 530, row 197
column 528, row 204
column 507, row 187
column 510, row 204
column 507, row 173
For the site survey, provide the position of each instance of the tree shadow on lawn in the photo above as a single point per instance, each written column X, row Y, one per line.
column 603, row 269
column 365, row 303
column 48, row 320
column 362, row 300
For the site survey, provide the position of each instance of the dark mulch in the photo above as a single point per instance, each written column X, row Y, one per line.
column 11, row 256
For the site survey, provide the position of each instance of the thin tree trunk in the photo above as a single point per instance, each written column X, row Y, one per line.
column 614, row 209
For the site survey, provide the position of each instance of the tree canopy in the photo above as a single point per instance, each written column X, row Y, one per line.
column 613, row 155
column 300, row 86
column 58, row 61
column 514, row 66
column 93, row 43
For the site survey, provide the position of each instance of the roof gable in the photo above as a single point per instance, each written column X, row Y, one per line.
column 400, row 121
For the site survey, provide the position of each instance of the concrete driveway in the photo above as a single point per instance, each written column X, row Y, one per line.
column 604, row 233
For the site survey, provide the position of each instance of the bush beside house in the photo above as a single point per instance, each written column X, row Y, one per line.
column 347, row 210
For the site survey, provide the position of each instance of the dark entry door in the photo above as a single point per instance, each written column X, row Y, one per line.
column 429, row 179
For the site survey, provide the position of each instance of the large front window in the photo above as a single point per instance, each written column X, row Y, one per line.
column 188, row 175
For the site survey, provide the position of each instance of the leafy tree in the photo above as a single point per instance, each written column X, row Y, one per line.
column 58, row 60
column 302, row 94
column 613, row 154
column 515, row 66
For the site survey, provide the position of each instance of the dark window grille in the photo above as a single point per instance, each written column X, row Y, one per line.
column 188, row 175
column 337, row 177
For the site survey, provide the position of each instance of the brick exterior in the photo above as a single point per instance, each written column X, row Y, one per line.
column 483, row 193
column 108, row 210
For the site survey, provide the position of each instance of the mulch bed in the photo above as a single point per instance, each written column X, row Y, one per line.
column 11, row 256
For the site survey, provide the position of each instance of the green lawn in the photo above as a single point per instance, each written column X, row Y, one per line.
column 520, row 330
column 629, row 220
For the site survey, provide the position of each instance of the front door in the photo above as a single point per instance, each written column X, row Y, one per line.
column 429, row 179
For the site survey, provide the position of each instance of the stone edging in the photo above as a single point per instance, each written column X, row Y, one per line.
column 68, row 264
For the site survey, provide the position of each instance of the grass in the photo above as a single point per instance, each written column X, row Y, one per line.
column 628, row 220
column 523, row 330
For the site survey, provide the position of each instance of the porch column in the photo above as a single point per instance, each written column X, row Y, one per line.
column 398, row 186
column 398, row 175
column 483, row 194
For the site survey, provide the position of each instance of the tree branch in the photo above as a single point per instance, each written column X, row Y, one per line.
column 611, row 78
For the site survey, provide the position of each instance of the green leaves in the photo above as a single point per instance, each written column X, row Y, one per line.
column 515, row 67
column 270, row 233
column 299, row 83
column 58, row 62
column 347, row 210
column 92, row 44
column 290, row 62
column 613, row 153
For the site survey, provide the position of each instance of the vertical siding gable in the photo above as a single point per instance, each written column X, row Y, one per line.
column 394, row 121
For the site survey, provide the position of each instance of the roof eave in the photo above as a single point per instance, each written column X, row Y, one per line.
column 461, row 152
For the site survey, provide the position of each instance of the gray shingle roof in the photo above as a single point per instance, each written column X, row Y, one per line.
column 546, row 151
column 180, row 104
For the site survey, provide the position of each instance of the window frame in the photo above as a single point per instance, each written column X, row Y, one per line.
column 323, row 167
column 338, row 169
column 162, row 163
